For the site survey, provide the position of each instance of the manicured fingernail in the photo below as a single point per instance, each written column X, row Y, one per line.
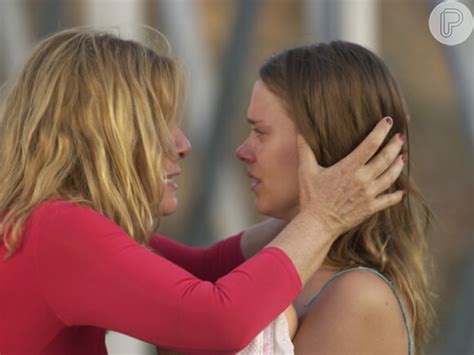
column 402, row 137
column 389, row 120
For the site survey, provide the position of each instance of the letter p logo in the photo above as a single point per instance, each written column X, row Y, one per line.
column 451, row 22
column 449, row 19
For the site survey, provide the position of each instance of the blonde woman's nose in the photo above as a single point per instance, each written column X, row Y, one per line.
column 183, row 146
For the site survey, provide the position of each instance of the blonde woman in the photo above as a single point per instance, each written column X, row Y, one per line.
column 371, row 294
column 89, row 148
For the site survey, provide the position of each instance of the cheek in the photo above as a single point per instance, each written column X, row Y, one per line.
column 287, row 160
column 285, row 176
column 289, row 188
column 279, row 197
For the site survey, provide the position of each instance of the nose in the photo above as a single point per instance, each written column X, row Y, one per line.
column 245, row 153
column 183, row 146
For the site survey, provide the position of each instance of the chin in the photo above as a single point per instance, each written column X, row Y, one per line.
column 264, row 209
column 270, row 210
column 168, row 208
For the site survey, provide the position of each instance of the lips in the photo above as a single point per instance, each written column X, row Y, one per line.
column 172, row 175
column 254, row 181
column 169, row 179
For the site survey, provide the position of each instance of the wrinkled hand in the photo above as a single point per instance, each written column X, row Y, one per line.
column 343, row 195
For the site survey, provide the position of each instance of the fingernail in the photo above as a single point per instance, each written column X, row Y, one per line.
column 404, row 158
column 402, row 137
column 389, row 120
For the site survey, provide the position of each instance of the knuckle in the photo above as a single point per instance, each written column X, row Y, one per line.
column 386, row 157
column 396, row 173
column 398, row 170
column 372, row 207
column 390, row 200
column 373, row 145
column 361, row 178
column 370, row 191
column 367, row 191
column 392, row 174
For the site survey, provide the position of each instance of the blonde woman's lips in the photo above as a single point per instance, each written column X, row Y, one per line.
column 172, row 185
column 170, row 182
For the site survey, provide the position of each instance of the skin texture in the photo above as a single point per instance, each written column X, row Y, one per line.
column 357, row 314
column 368, row 321
column 270, row 146
column 292, row 320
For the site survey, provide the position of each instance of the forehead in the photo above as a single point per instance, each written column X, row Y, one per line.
column 265, row 106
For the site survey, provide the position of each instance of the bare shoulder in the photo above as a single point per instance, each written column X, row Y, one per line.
column 361, row 295
column 366, row 290
column 357, row 313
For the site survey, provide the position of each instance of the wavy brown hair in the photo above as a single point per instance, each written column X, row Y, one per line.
column 336, row 93
column 88, row 121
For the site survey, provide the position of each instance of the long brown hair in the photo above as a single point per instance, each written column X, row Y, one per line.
column 87, row 121
column 336, row 93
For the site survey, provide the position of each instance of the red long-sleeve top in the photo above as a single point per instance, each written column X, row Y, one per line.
column 78, row 274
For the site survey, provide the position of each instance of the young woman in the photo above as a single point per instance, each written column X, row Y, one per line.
column 371, row 294
column 89, row 148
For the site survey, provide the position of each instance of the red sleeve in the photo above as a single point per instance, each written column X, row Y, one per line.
column 92, row 273
column 205, row 263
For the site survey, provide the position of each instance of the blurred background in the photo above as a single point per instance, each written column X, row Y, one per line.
column 221, row 44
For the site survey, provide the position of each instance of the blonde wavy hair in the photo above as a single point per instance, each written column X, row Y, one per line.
column 336, row 93
column 88, row 120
